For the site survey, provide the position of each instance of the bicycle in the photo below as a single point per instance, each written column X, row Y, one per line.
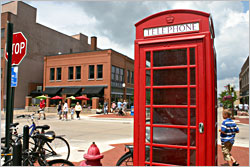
column 127, row 158
column 58, row 148
column 37, row 155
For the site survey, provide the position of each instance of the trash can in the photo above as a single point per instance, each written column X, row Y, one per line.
column 132, row 110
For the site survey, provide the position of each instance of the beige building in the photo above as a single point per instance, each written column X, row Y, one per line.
column 42, row 41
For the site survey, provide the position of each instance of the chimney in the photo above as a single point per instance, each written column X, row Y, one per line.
column 93, row 43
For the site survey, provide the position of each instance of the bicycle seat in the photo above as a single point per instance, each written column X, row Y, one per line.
column 43, row 127
column 48, row 136
column 14, row 124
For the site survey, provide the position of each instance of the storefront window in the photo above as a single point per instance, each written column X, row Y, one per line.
column 91, row 72
column 2, row 32
column 132, row 77
column 52, row 74
column 70, row 74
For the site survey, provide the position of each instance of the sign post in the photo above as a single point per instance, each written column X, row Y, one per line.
column 8, row 91
column 16, row 49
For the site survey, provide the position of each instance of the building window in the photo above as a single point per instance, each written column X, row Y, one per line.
column 52, row 74
column 117, row 76
column 121, row 75
column 2, row 52
column 128, row 76
column 2, row 32
column 113, row 73
column 78, row 72
column 91, row 71
column 59, row 74
column 99, row 71
column 70, row 74
column 132, row 77
column 70, row 50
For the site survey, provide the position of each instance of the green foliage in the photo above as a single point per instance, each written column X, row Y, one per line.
column 227, row 103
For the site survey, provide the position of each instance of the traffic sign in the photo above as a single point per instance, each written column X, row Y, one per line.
column 14, row 76
column 19, row 48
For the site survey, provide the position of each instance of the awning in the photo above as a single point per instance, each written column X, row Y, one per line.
column 92, row 90
column 70, row 91
column 36, row 92
column 51, row 91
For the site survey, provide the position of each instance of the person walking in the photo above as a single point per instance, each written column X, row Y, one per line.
column 41, row 110
column 105, row 107
column 125, row 106
column 228, row 131
column 113, row 106
column 59, row 110
column 65, row 111
column 78, row 109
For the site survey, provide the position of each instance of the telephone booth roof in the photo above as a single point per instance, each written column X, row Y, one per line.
column 175, row 17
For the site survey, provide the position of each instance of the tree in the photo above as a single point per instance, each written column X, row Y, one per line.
column 227, row 103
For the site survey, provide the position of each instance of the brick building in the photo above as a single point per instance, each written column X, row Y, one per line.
column 244, row 82
column 42, row 41
column 98, row 74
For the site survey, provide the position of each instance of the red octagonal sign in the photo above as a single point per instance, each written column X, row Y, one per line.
column 19, row 48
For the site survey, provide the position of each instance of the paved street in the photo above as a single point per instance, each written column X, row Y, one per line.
column 109, row 133
column 81, row 133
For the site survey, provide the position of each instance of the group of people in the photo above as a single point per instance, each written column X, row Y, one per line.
column 63, row 110
column 120, row 108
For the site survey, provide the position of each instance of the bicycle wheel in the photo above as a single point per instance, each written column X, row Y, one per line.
column 58, row 148
column 3, row 139
column 125, row 160
column 60, row 162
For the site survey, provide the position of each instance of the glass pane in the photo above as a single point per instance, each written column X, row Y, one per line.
column 148, row 97
column 170, row 116
column 193, row 116
column 192, row 76
column 147, row 135
column 147, row 115
column 175, row 156
column 192, row 157
column 148, row 60
column 170, row 136
column 147, row 153
column 175, row 96
column 192, row 137
column 170, row 57
column 148, row 77
column 192, row 56
column 192, row 96
column 170, row 77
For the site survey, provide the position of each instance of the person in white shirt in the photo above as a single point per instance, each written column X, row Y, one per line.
column 78, row 109
column 65, row 111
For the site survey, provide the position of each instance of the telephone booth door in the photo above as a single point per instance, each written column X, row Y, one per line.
column 172, row 125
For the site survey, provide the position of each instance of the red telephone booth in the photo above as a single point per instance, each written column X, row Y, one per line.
column 175, row 90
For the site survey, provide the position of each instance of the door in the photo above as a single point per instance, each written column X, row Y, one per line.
column 171, row 93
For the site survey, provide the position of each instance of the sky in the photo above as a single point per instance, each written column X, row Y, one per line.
column 112, row 22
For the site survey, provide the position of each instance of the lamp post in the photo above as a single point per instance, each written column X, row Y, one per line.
column 124, row 93
column 232, row 93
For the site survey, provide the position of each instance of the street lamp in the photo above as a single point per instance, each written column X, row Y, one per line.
column 124, row 94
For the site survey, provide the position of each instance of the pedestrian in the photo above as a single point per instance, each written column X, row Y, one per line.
column 228, row 131
column 125, row 106
column 72, row 112
column 105, row 107
column 41, row 110
column 113, row 106
column 119, row 105
column 78, row 109
column 65, row 111
column 59, row 110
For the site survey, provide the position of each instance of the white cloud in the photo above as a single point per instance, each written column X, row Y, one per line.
column 222, row 83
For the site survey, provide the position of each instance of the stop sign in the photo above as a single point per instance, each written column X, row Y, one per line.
column 19, row 48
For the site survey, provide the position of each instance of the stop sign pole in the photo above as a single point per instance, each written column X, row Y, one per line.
column 9, row 112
